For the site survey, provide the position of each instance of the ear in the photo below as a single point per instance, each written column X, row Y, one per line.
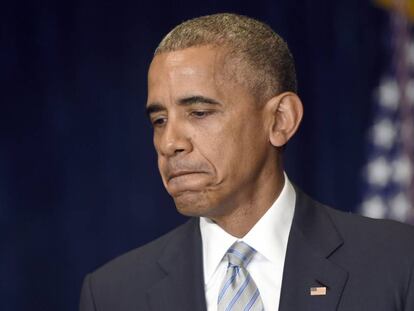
column 285, row 113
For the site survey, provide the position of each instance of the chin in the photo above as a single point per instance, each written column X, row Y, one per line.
column 193, row 204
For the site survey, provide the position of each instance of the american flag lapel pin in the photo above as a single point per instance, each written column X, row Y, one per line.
column 318, row 291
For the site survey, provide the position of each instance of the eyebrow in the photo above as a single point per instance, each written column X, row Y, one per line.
column 185, row 101
column 197, row 99
column 154, row 107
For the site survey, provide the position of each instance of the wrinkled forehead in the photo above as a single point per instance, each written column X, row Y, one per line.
column 197, row 61
column 192, row 71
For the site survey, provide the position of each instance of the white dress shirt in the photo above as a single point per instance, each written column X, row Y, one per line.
column 268, row 237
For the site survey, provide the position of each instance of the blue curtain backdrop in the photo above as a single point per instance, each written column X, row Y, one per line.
column 78, row 177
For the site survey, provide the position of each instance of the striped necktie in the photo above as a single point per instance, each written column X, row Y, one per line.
column 238, row 292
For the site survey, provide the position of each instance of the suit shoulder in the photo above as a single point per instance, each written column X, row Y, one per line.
column 381, row 232
column 124, row 281
column 141, row 260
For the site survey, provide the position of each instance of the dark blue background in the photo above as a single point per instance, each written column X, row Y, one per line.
column 78, row 177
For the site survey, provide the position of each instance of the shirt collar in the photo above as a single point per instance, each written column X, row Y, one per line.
column 268, row 236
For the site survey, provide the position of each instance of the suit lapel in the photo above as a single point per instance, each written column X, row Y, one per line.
column 182, row 288
column 313, row 238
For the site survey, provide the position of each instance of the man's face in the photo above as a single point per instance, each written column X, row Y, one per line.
column 209, row 132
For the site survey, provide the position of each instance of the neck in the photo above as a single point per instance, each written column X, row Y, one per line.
column 241, row 218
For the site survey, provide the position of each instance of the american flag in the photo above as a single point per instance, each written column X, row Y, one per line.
column 389, row 172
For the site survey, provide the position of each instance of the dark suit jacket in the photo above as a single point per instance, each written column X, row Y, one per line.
column 365, row 264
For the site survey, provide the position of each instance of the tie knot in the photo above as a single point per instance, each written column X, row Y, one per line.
column 240, row 254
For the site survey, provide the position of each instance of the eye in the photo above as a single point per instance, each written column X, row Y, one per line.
column 200, row 113
column 156, row 122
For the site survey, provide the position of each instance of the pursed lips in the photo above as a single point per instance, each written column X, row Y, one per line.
column 182, row 173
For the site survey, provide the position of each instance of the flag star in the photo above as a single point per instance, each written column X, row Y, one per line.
column 374, row 207
column 379, row 172
column 400, row 207
column 410, row 53
column 402, row 170
column 389, row 94
column 409, row 91
column 384, row 133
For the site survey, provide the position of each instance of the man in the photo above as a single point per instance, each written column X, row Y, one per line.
column 222, row 100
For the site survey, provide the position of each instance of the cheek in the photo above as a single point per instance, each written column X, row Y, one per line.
column 221, row 151
column 161, row 166
column 155, row 141
column 242, row 147
column 221, row 139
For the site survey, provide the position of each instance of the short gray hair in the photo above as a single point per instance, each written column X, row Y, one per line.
column 268, row 65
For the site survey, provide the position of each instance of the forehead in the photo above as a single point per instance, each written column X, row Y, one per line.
column 194, row 70
column 202, row 60
column 197, row 56
column 204, row 71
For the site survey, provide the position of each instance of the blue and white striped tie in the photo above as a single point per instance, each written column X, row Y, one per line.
column 238, row 291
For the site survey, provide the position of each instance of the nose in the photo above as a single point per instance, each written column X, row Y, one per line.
column 174, row 139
